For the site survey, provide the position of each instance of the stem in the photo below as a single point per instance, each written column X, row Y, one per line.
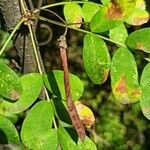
column 35, row 50
column 23, row 7
column 11, row 35
column 78, row 125
column 39, row 66
column 61, row 3
column 55, row 15
column 80, row 30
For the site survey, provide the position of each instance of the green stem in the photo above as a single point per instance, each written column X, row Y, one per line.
column 23, row 7
column 61, row 3
column 35, row 49
column 80, row 30
column 11, row 35
column 39, row 66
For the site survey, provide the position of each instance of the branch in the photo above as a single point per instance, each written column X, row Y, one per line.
column 70, row 105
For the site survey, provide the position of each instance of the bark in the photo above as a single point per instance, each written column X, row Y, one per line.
column 12, row 14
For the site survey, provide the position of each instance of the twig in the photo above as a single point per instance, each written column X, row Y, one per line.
column 80, row 30
column 11, row 35
column 70, row 105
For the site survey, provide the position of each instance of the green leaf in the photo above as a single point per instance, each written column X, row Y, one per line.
column 8, row 132
column 89, row 10
column 124, row 77
column 68, row 142
column 104, row 2
column 54, row 81
column 101, row 23
column 145, row 99
column 10, row 85
column 36, row 128
column 119, row 34
column 139, row 16
column 73, row 14
column 111, row 15
column 32, row 85
column 65, row 140
column 140, row 40
column 3, row 105
column 96, row 58
column 145, row 80
column 87, row 144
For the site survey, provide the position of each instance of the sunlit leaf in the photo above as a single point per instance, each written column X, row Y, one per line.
column 139, row 16
column 145, row 84
column 96, row 58
column 140, row 40
column 10, row 85
column 119, row 34
column 55, row 83
column 73, row 14
column 36, row 128
column 32, row 85
column 101, row 23
column 89, row 10
column 124, row 77
column 111, row 15
column 8, row 132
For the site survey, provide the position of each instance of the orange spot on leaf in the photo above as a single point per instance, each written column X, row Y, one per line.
column 14, row 95
column 140, row 46
column 136, row 93
column 121, row 86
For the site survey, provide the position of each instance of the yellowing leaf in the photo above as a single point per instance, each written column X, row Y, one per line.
column 85, row 114
column 73, row 14
column 139, row 39
column 124, row 77
column 120, row 9
column 111, row 15
column 139, row 16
